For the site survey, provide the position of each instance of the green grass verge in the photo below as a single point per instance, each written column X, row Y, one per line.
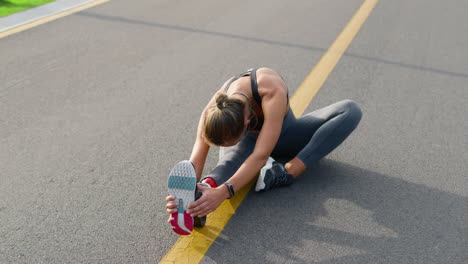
column 8, row 7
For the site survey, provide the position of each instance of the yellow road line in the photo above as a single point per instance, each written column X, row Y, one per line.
column 50, row 18
column 315, row 79
column 191, row 249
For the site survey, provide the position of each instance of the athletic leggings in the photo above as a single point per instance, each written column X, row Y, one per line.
column 310, row 138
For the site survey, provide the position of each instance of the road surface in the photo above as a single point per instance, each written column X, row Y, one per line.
column 98, row 106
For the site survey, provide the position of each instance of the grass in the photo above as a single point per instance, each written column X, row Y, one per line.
column 8, row 7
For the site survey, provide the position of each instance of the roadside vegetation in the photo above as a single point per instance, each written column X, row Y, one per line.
column 8, row 7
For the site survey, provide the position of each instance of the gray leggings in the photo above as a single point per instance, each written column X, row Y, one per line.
column 310, row 138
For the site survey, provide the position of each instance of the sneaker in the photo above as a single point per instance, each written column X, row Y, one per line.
column 208, row 182
column 182, row 183
column 273, row 174
column 199, row 221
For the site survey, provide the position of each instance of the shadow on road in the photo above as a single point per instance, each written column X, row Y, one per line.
column 337, row 213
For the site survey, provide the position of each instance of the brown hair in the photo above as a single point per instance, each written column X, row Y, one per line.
column 224, row 121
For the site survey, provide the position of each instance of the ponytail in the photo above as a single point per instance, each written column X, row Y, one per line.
column 224, row 121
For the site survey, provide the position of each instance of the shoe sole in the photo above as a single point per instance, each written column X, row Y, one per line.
column 199, row 221
column 181, row 183
column 260, row 186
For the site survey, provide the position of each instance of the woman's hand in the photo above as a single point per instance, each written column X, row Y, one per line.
column 210, row 200
column 171, row 206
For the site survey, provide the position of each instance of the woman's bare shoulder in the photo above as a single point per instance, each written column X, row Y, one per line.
column 265, row 71
column 269, row 81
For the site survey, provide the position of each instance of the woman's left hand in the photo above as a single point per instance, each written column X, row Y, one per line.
column 210, row 200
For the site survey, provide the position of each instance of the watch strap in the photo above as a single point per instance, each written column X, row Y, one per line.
column 230, row 189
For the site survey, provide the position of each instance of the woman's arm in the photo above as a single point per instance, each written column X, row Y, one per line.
column 201, row 147
column 198, row 156
column 274, row 106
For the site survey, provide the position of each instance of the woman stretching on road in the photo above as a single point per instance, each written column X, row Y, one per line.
column 250, row 116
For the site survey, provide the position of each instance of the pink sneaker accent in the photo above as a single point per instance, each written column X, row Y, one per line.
column 182, row 224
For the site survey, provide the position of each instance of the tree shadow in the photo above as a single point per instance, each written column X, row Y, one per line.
column 338, row 213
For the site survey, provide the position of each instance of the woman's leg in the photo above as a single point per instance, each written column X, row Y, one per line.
column 232, row 158
column 314, row 135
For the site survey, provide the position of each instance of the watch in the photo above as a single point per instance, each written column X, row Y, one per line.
column 230, row 189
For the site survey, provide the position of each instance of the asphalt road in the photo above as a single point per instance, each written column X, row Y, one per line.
column 97, row 107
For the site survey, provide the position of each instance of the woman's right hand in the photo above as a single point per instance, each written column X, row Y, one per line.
column 171, row 206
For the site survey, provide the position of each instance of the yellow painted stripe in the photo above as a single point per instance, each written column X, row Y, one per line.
column 191, row 249
column 50, row 18
column 315, row 79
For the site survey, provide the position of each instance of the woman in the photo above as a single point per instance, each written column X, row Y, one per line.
column 251, row 117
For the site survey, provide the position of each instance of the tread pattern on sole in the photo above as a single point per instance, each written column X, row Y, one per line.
column 181, row 183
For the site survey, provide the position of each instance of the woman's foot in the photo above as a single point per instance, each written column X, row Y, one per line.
column 272, row 175
column 181, row 184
